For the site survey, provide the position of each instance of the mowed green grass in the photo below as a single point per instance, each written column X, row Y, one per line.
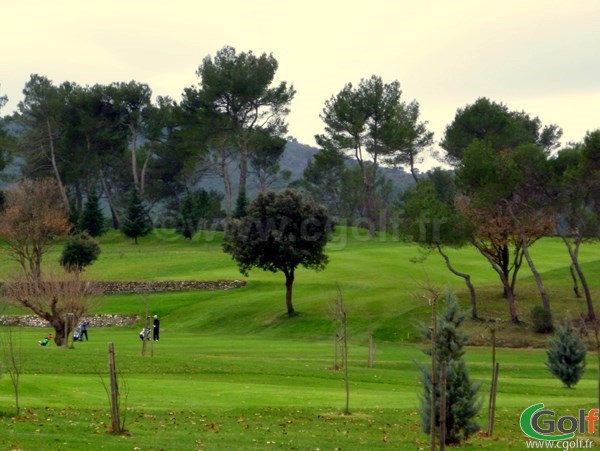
column 232, row 371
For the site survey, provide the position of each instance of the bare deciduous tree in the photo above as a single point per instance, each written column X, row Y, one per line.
column 33, row 215
column 59, row 298
column 339, row 314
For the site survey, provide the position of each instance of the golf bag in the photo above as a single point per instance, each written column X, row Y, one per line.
column 146, row 333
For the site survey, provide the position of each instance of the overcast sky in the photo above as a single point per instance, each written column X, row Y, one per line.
column 540, row 56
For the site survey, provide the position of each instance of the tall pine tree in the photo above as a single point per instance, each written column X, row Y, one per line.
column 462, row 402
column 137, row 224
column 566, row 354
column 91, row 220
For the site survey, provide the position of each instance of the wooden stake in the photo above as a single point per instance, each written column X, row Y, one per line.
column 114, row 390
column 492, row 412
column 443, row 406
column 433, row 372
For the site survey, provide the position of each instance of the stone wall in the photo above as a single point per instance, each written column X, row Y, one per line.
column 168, row 285
column 128, row 287
column 93, row 320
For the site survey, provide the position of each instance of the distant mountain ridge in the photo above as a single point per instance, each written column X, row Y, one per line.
column 296, row 157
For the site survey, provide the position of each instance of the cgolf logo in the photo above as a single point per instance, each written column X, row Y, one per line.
column 542, row 424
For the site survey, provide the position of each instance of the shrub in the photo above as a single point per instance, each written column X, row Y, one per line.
column 79, row 252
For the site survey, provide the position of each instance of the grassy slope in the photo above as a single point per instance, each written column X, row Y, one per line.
column 231, row 370
column 382, row 288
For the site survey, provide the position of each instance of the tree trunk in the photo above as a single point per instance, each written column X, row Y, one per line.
column 574, row 254
column 61, row 186
column 413, row 170
column 508, row 291
column 536, row 276
column 289, row 281
column 113, row 212
column 134, row 168
column 516, row 267
column 369, row 207
column 504, row 265
column 243, row 165
column 228, row 186
column 368, row 180
column 79, row 198
column 144, row 171
column 575, row 285
column 465, row 276
column 60, row 330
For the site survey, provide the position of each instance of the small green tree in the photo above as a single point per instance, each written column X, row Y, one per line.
column 79, row 252
column 91, row 220
column 566, row 353
column 462, row 401
column 137, row 224
column 241, row 205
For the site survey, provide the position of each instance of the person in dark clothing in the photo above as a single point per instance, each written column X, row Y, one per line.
column 84, row 326
column 156, row 328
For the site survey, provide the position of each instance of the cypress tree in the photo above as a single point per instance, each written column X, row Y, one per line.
column 566, row 353
column 462, row 401
column 187, row 223
column 92, row 220
column 137, row 224
column 241, row 204
column 198, row 209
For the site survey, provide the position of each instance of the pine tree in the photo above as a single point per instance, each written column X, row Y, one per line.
column 137, row 224
column 198, row 209
column 566, row 353
column 187, row 223
column 462, row 402
column 241, row 205
column 92, row 220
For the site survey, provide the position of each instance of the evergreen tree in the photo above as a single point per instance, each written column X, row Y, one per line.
column 566, row 354
column 241, row 205
column 92, row 220
column 74, row 217
column 198, row 209
column 462, row 402
column 137, row 224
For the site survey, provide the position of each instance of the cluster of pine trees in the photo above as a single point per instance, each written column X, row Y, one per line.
column 509, row 183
